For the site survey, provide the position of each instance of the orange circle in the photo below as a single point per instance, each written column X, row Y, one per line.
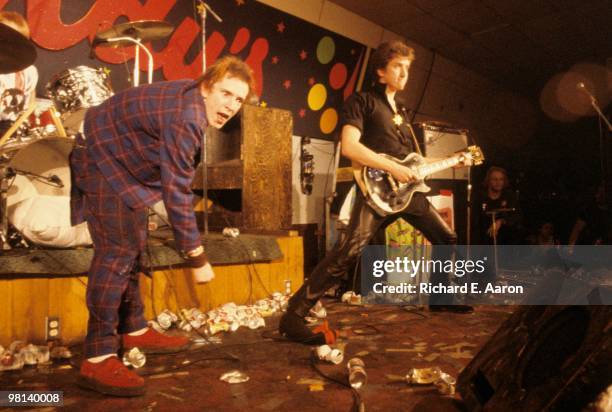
column 329, row 120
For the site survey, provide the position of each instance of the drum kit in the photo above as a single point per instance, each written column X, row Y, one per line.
column 34, row 169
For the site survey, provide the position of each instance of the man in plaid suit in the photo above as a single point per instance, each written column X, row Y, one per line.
column 138, row 148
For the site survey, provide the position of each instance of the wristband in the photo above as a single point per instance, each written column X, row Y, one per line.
column 197, row 261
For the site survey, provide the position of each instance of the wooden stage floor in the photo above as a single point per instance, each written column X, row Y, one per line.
column 389, row 339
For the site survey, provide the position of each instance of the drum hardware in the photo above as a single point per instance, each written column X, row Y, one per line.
column 51, row 180
column 75, row 90
column 20, row 54
column 8, row 174
column 45, row 121
column 36, row 195
column 3, row 208
column 20, row 120
column 135, row 32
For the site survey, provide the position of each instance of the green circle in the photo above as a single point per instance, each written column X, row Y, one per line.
column 326, row 49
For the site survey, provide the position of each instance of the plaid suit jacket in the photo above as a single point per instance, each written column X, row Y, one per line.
column 144, row 141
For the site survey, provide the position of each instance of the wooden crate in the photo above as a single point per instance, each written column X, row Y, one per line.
column 254, row 158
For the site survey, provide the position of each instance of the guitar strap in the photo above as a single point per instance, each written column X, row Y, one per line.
column 415, row 142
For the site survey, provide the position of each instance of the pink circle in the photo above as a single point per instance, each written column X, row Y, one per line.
column 337, row 76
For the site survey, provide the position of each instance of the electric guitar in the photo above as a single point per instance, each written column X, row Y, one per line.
column 387, row 196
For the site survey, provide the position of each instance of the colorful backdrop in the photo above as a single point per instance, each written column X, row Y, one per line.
column 299, row 66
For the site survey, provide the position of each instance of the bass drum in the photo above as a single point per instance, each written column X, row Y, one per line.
column 75, row 90
column 38, row 202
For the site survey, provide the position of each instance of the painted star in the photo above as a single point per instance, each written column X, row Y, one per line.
column 263, row 104
column 303, row 55
column 287, row 84
column 311, row 81
column 280, row 27
column 302, row 113
column 275, row 60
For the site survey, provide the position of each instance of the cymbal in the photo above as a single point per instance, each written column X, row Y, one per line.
column 16, row 51
column 143, row 30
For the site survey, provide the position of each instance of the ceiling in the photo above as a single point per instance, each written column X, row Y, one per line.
column 517, row 43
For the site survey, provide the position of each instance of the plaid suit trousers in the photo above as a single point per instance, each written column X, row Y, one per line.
column 119, row 236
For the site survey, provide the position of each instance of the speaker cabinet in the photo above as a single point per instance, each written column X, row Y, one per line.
column 543, row 358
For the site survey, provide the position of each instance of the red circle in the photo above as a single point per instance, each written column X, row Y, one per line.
column 337, row 76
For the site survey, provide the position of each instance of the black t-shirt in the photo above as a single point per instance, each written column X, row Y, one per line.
column 372, row 114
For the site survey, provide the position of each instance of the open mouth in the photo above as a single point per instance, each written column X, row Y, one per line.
column 222, row 117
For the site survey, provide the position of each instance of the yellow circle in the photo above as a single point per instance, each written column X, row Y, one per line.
column 317, row 96
column 329, row 120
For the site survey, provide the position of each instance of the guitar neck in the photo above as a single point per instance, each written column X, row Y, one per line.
column 431, row 168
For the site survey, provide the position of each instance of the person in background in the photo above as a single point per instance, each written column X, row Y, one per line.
column 498, row 196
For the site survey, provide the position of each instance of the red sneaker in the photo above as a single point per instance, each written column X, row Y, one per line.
column 154, row 342
column 110, row 377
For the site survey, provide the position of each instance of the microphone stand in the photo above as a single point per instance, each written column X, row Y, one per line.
column 595, row 106
column 3, row 208
column 202, row 7
column 603, row 145
column 139, row 45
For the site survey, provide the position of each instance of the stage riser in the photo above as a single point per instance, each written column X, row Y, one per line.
column 24, row 303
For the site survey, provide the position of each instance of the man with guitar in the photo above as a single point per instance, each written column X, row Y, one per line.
column 372, row 127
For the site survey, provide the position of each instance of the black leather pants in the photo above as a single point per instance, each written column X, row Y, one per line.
column 363, row 225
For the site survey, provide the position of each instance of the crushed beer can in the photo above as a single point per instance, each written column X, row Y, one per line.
column 16, row 346
column 329, row 354
column 351, row 298
column 256, row 322
column 29, row 354
column 357, row 374
column 318, row 310
column 446, row 384
column 423, row 376
column 234, row 376
column 11, row 361
column 186, row 325
column 134, row 358
column 43, row 355
column 234, row 326
column 213, row 328
column 156, row 326
column 231, row 232
column 166, row 319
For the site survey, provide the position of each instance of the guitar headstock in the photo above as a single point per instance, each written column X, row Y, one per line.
column 472, row 156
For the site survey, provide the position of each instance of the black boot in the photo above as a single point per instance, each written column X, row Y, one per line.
column 294, row 328
column 293, row 325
